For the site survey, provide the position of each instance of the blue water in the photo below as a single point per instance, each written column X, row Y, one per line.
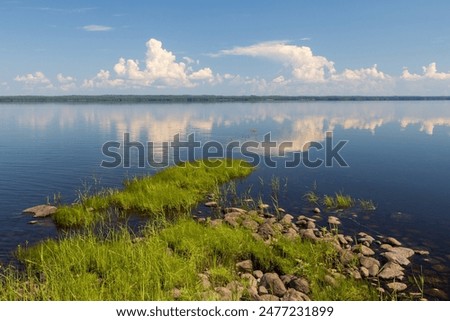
column 398, row 155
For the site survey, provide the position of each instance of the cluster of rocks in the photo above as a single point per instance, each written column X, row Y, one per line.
column 255, row 285
column 380, row 260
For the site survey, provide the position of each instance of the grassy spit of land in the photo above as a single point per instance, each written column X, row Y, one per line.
column 180, row 259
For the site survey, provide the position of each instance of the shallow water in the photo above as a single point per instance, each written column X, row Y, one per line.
column 398, row 155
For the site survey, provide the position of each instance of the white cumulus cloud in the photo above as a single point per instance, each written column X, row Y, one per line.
column 361, row 74
column 303, row 63
column 102, row 80
column 66, row 83
column 429, row 72
column 37, row 79
column 160, row 69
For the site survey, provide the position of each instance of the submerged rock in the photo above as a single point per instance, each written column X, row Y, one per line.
column 397, row 286
column 402, row 251
column 422, row 252
column 393, row 241
column 41, row 210
column 396, row 258
column 211, row 204
column 333, row 220
column 391, row 270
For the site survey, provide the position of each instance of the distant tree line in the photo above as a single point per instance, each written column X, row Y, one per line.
column 117, row 99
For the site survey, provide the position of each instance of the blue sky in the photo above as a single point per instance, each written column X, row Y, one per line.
column 225, row 47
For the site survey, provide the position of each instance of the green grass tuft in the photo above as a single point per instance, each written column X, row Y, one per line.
column 339, row 201
column 117, row 267
column 174, row 190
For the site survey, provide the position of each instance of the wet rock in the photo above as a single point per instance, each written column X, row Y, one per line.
column 441, row 268
column 422, row 252
column 300, row 284
column 316, row 210
column 287, row 219
column 397, row 286
column 437, row 293
column 368, row 262
column 269, row 297
column 391, row 270
column 392, row 241
column 373, row 270
column 245, row 266
column 371, row 264
column 415, row 295
column 234, row 209
column 385, row 246
column 41, row 210
column 281, row 210
column 224, row 293
column 396, row 258
column 273, row 284
column 341, row 239
column 364, row 271
column 211, row 204
column 258, row 274
column 349, row 239
column 263, row 206
column 364, row 250
column 333, row 220
column 364, row 237
column 33, row 222
column 402, row 251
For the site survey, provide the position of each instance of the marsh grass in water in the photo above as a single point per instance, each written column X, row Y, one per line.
column 177, row 189
column 119, row 266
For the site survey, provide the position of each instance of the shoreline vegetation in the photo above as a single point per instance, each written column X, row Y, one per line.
column 250, row 252
column 124, row 99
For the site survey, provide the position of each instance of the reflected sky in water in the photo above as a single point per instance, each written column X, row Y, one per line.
column 398, row 154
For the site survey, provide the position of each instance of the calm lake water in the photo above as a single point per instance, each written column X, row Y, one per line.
column 398, row 155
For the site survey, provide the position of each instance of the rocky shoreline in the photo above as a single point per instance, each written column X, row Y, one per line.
column 381, row 261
